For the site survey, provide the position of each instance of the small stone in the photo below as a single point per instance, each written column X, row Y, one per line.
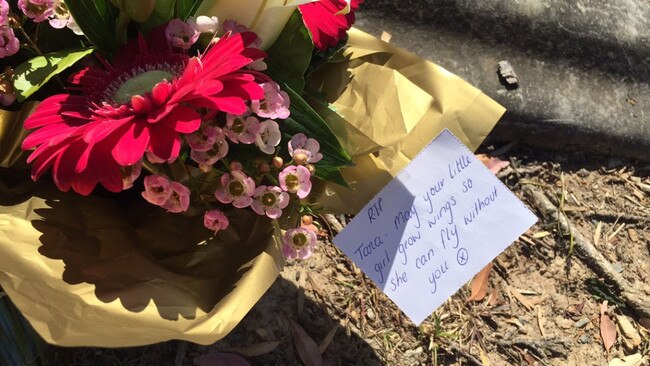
column 581, row 323
column 564, row 323
column 584, row 339
column 508, row 74
column 617, row 267
column 583, row 173
column 370, row 314
column 413, row 353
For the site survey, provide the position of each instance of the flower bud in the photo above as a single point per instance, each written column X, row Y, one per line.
column 306, row 220
column 277, row 162
column 300, row 158
column 264, row 167
column 311, row 168
column 235, row 165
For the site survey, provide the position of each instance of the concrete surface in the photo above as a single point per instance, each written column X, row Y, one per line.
column 583, row 65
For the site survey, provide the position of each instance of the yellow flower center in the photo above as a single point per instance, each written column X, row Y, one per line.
column 299, row 240
column 236, row 189
column 268, row 199
column 292, row 182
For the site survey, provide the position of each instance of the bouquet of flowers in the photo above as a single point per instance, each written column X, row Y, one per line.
column 245, row 116
column 195, row 103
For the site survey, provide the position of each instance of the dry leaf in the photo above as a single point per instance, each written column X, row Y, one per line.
column 307, row 348
column 479, row 284
column 598, row 233
column 494, row 297
column 256, row 349
column 541, row 320
column 541, row 234
column 632, row 337
column 220, row 359
column 631, row 360
column 494, row 164
column 645, row 322
column 484, row 358
column 633, row 235
column 521, row 298
column 607, row 327
column 328, row 339
column 529, row 359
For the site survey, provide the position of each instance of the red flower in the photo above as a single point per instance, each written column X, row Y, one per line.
column 326, row 27
column 141, row 103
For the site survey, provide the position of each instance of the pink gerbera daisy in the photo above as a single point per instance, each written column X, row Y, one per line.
column 325, row 21
column 142, row 103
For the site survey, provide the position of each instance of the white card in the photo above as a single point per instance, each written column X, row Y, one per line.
column 432, row 228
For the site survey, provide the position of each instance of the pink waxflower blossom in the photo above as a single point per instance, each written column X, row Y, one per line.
column 7, row 98
column 233, row 27
column 9, row 44
column 296, row 179
column 298, row 243
column 300, row 144
column 153, row 158
column 204, row 24
column 156, row 189
column 60, row 17
column 180, row 34
column 130, row 174
column 236, row 188
column 217, row 152
column 179, row 198
column 204, row 138
column 73, row 26
column 4, row 13
column 268, row 137
column 258, row 65
column 269, row 201
column 37, row 10
column 241, row 129
column 215, row 220
column 275, row 103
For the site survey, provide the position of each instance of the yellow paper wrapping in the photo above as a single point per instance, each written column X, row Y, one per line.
column 96, row 271
column 393, row 103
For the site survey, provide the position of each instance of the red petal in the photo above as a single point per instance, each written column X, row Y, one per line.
column 164, row 142
column 161, row 92
column 49, row 111
column 130, row 148
column 45, row 134
column 141, row 105
column 183, row 119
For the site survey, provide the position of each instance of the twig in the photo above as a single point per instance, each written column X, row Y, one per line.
column 333, row 222
column 628, row 218
column 637, row 301
column 457, row 349
column 554, row 346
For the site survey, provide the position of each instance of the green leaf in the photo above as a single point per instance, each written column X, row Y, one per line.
column 33, row 74
column 291, row 53
column 331, row 174
column 186, row 8
column 304, row 119
column 97, row 20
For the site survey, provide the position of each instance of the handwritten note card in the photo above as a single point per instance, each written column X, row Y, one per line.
column 433, row 227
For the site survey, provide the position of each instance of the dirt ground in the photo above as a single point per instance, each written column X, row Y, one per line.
column 542, row 305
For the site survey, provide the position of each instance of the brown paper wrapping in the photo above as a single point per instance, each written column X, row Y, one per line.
column 101, row 271
column 393, row 103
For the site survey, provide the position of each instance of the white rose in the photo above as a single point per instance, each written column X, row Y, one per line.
column 267, row 18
